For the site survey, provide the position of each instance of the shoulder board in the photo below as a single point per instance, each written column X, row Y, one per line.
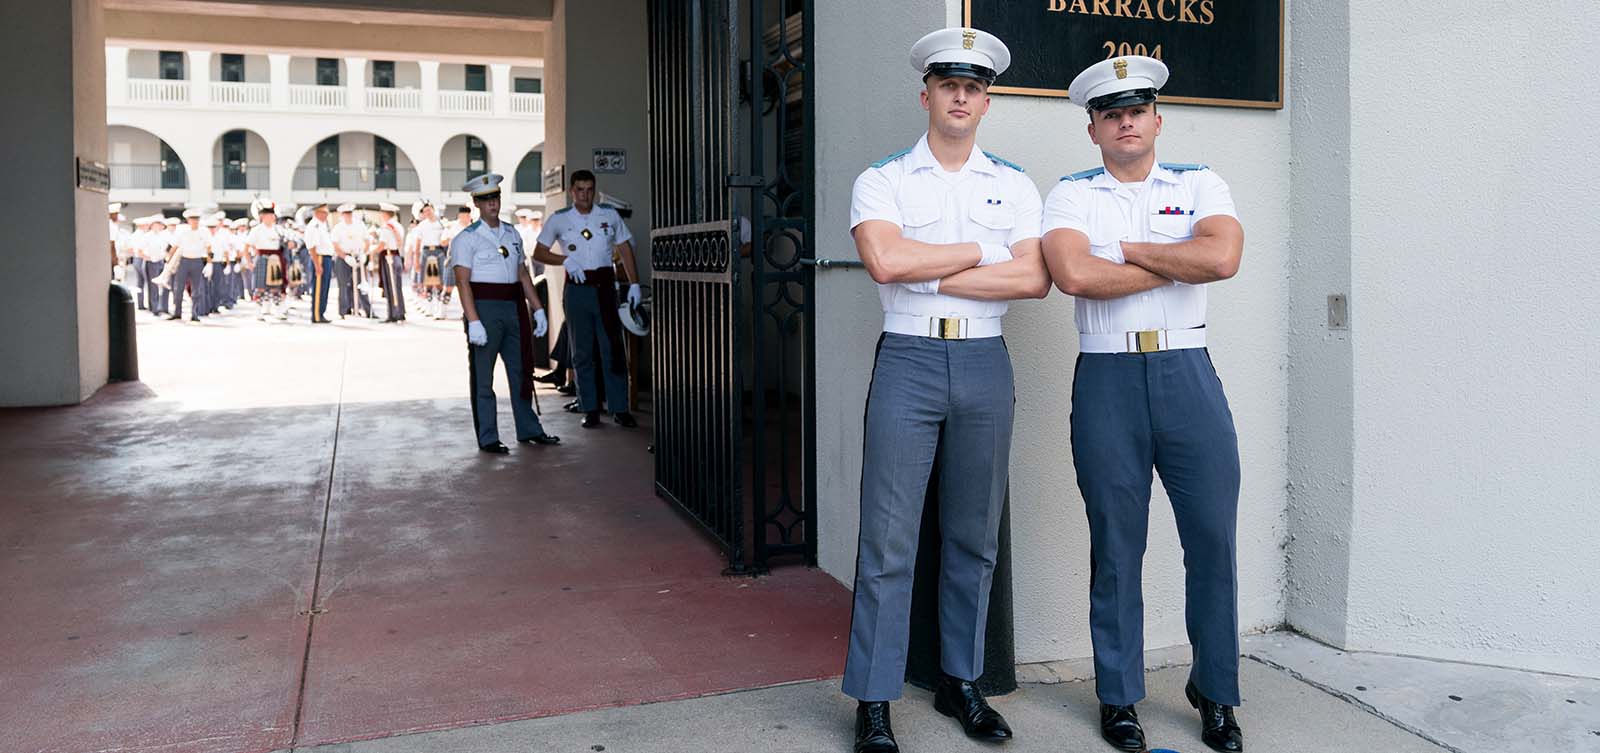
column 604, row 205
column 567, row 208
column 1084, row 174
column 1183, row 167
column 892, row 157
column 999, row 160
column 472, row 227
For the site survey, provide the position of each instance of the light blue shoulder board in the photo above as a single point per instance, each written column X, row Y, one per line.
column 1183, row 167
column 891, row 158
column 559, row 211
column 1084, row 174
column 473, row 227
column 999, row 160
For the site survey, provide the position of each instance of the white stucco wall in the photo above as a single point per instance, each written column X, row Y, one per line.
column 1050, row 537
column 1476, row 424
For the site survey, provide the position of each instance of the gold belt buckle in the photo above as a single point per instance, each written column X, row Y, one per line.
column 1147, row 341
column 947, row 328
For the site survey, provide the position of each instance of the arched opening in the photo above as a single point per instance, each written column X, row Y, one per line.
column 143, row 163
column 355, row 162
column 240, row 161
column 463, row 158
column 530, row 173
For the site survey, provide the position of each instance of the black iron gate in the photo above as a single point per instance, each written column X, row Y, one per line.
column 732, row 345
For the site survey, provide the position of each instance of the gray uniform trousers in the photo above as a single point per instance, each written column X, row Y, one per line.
column 160, row 298
column 505, row 341
column 1167, row 411
column 922, row 387
column 191, row 271
column 582, row 307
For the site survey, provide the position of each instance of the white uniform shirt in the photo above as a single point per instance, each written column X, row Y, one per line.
column 120, row 240
column 429, row 233
column 317, row 239
column 986, row 202
column 156, row 244
column 263, row 238
column 191, row 242
column 349, row 237
column 565, row 233
column 530, row 237
column 391, row 235
column 1161, row 209
column 221, row 245
column 478, row 249
column 451, row 231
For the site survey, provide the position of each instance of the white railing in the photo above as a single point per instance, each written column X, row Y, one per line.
column 465, row 103
column 527, row 105
column 320, row 97
column 142, row 91
column 241, row 94
column 394, row 100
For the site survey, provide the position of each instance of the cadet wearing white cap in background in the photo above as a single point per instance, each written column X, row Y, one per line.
column 528, row 228
column 189, row 250
column 349, row 238
column 392, row 268
column 950, row 233
column 496, row 295
column 1136, row 241
column 265, row 245
column 428, row 236
column 219, row 246
column 319, row 244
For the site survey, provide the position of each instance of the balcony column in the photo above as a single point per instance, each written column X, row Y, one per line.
column 500, row 87
column 200, row 77
column 278, row 76
column 116, row 76
column 356, row 69
column 430, row 86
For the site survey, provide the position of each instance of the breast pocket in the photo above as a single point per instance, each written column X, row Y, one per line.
column 1170, row 228
column 994, row 222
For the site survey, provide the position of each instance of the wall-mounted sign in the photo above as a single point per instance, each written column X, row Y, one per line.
column 1220, row 52
column 93, row 176
column 555, row 179
column 610, row 160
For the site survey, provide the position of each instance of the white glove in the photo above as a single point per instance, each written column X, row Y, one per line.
column 633, row 295
column 205, row 271
column 574, row 269
column 541, row 324
column 993, row 253
column 476, row 335
column 926, row 286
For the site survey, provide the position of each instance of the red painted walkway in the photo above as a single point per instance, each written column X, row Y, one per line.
column 285, row 537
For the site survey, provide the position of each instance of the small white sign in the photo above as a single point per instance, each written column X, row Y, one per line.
column 610, row 160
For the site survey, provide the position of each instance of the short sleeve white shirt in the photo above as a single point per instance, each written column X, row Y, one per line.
column 587, row 237
column 349, row 237
column 479, row 248
column 263, row 238
column 192, row 243
column 317, row 239
column 429, row 233
column 1161, row 209
column 987, row 201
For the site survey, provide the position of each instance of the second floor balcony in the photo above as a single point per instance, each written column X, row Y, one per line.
column 355, row 179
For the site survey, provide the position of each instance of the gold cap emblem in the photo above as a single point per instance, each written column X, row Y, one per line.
column 1122, row 68
column 968, row 36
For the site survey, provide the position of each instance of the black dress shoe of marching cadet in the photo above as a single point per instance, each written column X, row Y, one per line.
column 873, row 733
column 627, row 420
column 591, row 419
column 569, row 388
column 554, row 377
column 1119, row 725
column 494, row 448
column 961, row 699
column 542, row 439
column 1218, row 729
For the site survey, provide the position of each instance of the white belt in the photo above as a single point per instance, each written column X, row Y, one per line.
column 941, row 327
column 1143, row 341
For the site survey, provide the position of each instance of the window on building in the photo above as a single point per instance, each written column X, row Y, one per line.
column 171, row 65
column 527, row 85
column 171, row 168
column 477, row 78
column 383, row 74
column 233, row 162
column 232, row 67
column 328, row 163
column 530, row 173
column 477, row 158
column 384, row 162
column 327, row 71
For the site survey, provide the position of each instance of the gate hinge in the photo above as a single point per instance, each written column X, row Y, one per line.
column 747, row 181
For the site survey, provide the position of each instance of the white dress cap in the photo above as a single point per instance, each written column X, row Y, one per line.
column 385, row 206
column 191, row 212
column 347, row 208
column 528, row 213
column 959, row 51
column 1118, row 82
column 487, row 184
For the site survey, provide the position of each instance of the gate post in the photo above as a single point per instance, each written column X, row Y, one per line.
column 999, row 648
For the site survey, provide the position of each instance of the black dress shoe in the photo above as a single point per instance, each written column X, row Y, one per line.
column 591, row 419
column 568, row 389
column 542, row 439
column 553, row 377
column 961, row 699
column 576, row 406
column 627, row 420
column 873, row 733
column 494, row 448
column 1119, row 725
column 1218, row 729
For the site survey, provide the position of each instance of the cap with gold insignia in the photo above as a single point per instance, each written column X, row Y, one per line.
column 384, row 206
column 484, row 186
column 1118, row 82
column 959, row 51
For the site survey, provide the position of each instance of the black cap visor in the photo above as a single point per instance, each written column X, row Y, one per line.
column 1122, row 99
column 960, row 70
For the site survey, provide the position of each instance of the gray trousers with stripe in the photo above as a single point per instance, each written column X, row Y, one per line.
column 950, row 399
column 505, row 342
